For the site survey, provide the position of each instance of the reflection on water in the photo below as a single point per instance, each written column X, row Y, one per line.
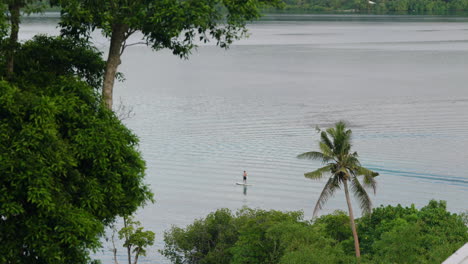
column 400, row 81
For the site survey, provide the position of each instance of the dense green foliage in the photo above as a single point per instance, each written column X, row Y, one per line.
column 380, row 6
column 399, row 234
column 45, row 59
column 392, row 234
column 68, row 166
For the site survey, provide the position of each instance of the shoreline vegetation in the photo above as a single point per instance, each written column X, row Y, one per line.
column 391, row 234
column 375, row 7
column 296, row 10
column 380, row 7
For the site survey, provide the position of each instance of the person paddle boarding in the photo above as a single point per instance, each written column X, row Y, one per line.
column 245, row 177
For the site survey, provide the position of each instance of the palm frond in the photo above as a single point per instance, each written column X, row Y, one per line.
column 318, row 174
column 341, row 138
column 330, row 187
column 326, row 150
column 326, row 140
column 315, row 155
column 370, row 182
column 341, row 125
column 343, row 142
column 350, row 162
column 365, row 171
column 361, row 194
column 330, row 131
column 368, row 179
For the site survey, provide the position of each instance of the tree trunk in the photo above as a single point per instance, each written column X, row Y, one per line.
column 114, row 249
column 351, row 219
column 136, row 257
column 129, row 250
column 14, row 10
column 113, row 62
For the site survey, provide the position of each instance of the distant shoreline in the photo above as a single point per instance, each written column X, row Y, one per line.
column 358, row 12
column 56, row 13
column 296, row 10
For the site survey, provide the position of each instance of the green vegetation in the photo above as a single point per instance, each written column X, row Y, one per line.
column 343, row 168
column 135, row 239
column 174, row 25
column 392, row 234
column 439, row 7
column 68, row 165
column 14, row 7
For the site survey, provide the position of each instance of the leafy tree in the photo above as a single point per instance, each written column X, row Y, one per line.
column 393, row 249
column 205, row 241
column 68, row 166
column 134, row 237
column 249, row 236
column 336, row 225
column 178, row 25
column 343, row 167
column 44, row 59
column 14, row 7
column 306, row 242
column 263, row 235
column 382, row 220
column 396, row 234
column 315, row 255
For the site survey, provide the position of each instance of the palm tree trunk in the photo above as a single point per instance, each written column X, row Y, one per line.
column 351, row 219
column 14, row 9
column 113, row 62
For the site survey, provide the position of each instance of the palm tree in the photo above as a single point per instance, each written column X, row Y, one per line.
column 343, row 167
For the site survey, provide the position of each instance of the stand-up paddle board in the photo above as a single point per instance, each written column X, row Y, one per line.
column 245, row 184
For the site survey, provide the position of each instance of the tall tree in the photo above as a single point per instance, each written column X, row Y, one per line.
column 178, row 25
column 68, row 166
column 14, row 7
column 343, row 167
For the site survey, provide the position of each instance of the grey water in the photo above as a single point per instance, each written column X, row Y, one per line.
column 400, row 82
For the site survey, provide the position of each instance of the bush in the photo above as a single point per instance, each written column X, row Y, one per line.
column 392, row 234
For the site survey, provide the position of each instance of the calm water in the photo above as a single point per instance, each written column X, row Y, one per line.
column 400, row 81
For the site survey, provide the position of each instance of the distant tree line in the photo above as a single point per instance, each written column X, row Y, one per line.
column 377, row 6
column 392, row 234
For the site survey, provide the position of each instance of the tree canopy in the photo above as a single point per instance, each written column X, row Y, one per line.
column 391, row 234
column 177, row 25
column 68, row 165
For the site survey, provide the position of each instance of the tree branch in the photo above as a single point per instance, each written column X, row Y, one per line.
column 126, row 36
